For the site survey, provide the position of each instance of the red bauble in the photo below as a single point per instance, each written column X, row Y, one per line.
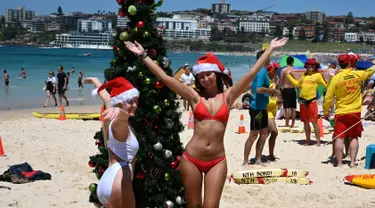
column 91, row 164
column 140, row 175
column 120, row 1
column 97, row 143
column 158, row 85
column 140, row 24
column 152, row 53
column 100, row 171
column 121, row 13
column 173, row 164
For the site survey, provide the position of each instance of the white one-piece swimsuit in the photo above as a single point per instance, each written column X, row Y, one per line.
column 124, row 150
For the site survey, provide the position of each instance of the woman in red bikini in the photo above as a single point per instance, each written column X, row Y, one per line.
column 205, row 151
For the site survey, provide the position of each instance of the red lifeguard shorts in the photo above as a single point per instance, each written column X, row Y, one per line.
column 345, row 121
column 309, row 113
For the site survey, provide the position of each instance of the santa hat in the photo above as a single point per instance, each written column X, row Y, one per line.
column 312, row 61
column 208, row 63
column 344, row 58
column 273, row 66
column 354, row 57
column 121, row 90
column 228, row 72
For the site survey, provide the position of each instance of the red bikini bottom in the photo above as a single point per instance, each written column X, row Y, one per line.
column 204, row 166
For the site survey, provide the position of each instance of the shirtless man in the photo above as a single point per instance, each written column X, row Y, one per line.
column 288, row 93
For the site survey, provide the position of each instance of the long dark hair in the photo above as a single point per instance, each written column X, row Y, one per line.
column 221, row 81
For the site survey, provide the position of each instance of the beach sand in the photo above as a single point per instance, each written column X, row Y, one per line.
column 62, row 148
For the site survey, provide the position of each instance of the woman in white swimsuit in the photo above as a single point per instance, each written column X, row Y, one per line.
column 115, row 189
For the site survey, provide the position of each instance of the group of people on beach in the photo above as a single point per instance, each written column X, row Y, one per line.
column 205, row 151
column 54, row 84
column 210, row 101
column 60, row 84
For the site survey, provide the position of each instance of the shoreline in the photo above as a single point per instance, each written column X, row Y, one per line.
column 224, row 53
column 27, row 112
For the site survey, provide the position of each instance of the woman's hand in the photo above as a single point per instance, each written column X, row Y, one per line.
column 277, row 43
column 135, row 47
column 89, row 80
column 113, row 113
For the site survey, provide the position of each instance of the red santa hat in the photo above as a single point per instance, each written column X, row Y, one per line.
column 208, row 63
column 344, row 58
column 273, row 66
column 121, row 90
column 354, row 57
column 312, row 61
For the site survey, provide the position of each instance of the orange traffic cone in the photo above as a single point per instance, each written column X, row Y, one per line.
column 101, row 118
column 241, row 127
column 191, row 121
column 2, row 153
column 320, row 124
column 62, row 114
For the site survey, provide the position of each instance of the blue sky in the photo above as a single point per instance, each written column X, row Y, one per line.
column 331, row 7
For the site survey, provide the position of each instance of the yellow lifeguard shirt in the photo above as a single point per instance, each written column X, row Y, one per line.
column 346, row 86
column 272, row 103
column 308, row 84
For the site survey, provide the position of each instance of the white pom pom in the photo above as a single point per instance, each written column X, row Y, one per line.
column 94, row 93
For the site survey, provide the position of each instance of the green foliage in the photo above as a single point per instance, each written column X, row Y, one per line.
column 278, row 31
column 208, row 46
column 9, row 33
column 229, row 36
column 349, row 19
column 164, row 14
column 60, row 11
column 302, row 34
column 157, row 119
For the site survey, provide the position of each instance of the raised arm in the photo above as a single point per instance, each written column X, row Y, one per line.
column 236, row 90
column 365, row 75
column 104, row 95
column 175, row 85
column 294, row 81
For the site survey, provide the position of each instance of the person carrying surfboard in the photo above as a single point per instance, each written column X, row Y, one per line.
column 345, row 86
column 308, row 85
column 205, row 152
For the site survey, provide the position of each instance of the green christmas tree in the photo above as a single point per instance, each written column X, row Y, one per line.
column 157, row 125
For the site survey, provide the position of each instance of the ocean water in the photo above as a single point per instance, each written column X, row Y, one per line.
column 37, row 62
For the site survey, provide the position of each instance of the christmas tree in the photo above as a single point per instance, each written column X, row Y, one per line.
column 157, row 125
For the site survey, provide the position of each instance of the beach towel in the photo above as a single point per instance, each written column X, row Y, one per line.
column 23, row 173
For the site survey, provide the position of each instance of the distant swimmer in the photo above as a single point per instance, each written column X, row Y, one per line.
column 23, row 73
column 6, row 78
column 80, row 77
column 73, row 70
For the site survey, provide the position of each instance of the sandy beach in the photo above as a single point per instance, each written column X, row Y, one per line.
column 62, row 148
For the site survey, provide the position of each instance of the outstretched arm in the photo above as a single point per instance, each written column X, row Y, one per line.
column 236, row 90
column 176, row 86
column 104, row 95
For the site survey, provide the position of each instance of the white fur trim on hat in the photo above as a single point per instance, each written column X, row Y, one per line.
column 198, row 68
column 124, row 97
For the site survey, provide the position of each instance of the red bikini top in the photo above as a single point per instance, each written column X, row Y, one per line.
column 201, row 112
